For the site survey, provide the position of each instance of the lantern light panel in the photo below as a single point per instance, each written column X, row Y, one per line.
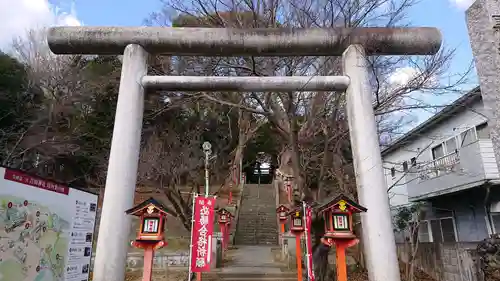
column 340, row 222
column 151, row 225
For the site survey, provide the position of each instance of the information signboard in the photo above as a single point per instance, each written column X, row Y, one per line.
column 46, row 229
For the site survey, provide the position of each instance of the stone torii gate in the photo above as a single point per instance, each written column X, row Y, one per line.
column 136, row 43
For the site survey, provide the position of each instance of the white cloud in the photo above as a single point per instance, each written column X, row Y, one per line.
column 18, row 16
column 462, row 4
column 404, row 75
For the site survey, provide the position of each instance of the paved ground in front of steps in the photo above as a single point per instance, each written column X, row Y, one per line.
column 251, row 259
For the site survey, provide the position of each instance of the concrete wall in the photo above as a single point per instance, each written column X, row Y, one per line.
column 485, row 38
column 446, row 262
column 468, row 210
column 421, row 149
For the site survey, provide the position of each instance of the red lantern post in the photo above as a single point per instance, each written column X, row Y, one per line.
column 297, row 228
column 337, row 214
column 225, row 218
column 282, row 212
column 150, row 237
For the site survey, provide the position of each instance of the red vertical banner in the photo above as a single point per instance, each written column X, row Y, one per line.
column 202, row 233
column 310, row 271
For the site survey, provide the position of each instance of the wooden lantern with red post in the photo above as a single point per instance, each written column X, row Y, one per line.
column 337, row 214
column 150, row 236
column 224, row 219
column 282, row 212
column 297, row 227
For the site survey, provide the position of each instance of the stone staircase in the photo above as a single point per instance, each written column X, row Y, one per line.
column 257, row 223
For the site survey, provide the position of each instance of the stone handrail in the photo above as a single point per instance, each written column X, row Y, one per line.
column 234, row 226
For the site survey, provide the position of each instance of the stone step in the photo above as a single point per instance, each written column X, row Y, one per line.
column 249, row 229
column 252, row 231
column 258, row 275
column 257, row 234
column 258, row 238
column 256, row 242
column 258, row 211
column 249, row 241
column 258, row 226
column 265, row 221
column 268, row 221
column 257, row 230
column 249, row 278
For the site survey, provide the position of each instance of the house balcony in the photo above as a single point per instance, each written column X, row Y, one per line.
column 470, row 166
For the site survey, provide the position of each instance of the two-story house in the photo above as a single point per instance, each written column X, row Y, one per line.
column 448, row 165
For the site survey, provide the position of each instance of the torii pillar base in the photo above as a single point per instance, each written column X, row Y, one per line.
column 149, row 253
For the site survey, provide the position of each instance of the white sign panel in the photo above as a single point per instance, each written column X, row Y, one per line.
column 46, row 229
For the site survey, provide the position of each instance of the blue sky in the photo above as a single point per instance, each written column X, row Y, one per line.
column 443, row 14
column 115, row 12
column 450, row 19
column 447, row 15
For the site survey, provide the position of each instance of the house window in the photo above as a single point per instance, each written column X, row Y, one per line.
column 405, row 166
column 423, row 232
column 468, row 137
column 443, row 230
column 483, row 131
column 413, row 161
column 451, row 145
column 495, row 219
column 438, row 151
column 393, row 172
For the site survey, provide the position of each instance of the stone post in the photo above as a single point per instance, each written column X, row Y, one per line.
column 378, row 235
column 111, row 254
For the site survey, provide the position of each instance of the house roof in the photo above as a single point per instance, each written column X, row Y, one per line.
column 447, row 112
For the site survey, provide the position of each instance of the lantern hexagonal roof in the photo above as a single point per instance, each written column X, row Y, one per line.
column 223, row 211
column 282, row 208
column 341, row 202
column 296, row 212
column 150, row 204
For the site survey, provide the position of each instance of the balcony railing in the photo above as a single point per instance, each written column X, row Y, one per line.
column 440, row 166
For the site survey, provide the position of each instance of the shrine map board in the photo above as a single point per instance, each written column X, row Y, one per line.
column 46, row 229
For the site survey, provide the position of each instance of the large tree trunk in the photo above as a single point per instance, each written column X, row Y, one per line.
column 247, row 130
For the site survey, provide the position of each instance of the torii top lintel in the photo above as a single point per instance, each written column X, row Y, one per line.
column 139, row 209
column 341, row 199
column 98, row 40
